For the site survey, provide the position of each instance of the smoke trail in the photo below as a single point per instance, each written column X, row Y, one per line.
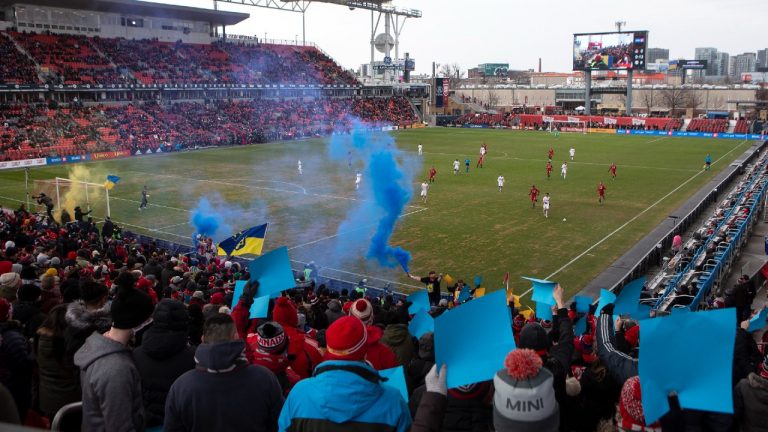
column 209, row 221
column 78, row 192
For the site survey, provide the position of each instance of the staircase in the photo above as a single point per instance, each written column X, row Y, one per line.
column 21, row 49
column 469, row 106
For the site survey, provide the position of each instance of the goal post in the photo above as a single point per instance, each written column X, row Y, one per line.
column 578, row 126
column 68, row 194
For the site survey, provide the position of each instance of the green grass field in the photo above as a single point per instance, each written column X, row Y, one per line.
column 467, row 227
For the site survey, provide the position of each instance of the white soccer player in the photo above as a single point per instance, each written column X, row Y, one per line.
column 482, row 150
column 572, row 152
column 300, row 168
column 420, row 149
column 456, row 166
column 545, row 204
column 564, row 170
column 358, row 179
column 424, row 189
column 500, row 182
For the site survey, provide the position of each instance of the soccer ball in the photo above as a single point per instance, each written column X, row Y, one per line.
column 564, row 219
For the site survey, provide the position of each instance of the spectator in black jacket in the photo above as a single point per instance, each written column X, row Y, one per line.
column 164, row 355
column 16, row 361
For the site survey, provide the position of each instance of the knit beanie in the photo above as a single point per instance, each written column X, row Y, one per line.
column 631, row 406
column 524, row 399
column 170, row 315
column 633, row 336
column 533, row 336
column 131, row 307
column 346, row 339
column 217, row 298
column 9, row 284
column 362, row 309
column 5, row 310
column 285, row 313
column 271, row 338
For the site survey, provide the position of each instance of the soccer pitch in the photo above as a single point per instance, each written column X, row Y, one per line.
column 466, row 228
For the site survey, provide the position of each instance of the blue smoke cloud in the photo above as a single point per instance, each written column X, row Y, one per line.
column 209, row 221
column 388, row 175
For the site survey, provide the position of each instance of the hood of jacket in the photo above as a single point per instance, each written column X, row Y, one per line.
column 374, row 335
column 334, row 306
column 760, row 385
column 80, row 318
column 96, row 347
column 396, row 335
column 24, row 311
column 220, row 357
column 161, row 344
column 333, row 390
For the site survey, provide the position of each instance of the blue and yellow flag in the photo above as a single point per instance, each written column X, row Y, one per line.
column 247, row 242
column 111, row 181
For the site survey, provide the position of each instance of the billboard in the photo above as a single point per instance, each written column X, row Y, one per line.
column 688, row 64
column 441, row 90
column 610, row 51
column 495, row 69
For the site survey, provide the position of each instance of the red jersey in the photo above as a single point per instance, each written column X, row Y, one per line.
column 533, row 193
column 432, row 173
column 551, row 152
column 612, row 169
column 549, row 167
column 601, row 190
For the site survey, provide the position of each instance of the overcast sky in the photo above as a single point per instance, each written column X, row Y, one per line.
column 517, row 32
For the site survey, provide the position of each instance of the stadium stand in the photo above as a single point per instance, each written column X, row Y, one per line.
column 16, row 67
column 708, row 125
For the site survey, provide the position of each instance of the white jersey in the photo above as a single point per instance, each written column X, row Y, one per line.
column 500, row 180
column 358, row 178
column 482, row 150
column 564, row 168
column 299, row 167
column 455, row 165
column 545, row 202
column 572, row 152
column 420, row 148
column 424, row 188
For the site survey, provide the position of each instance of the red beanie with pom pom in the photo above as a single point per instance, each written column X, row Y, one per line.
column 346, row 339
column 285, row 313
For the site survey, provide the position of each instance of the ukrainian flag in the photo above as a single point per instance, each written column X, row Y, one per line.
column 247, row 242
column 111, row 181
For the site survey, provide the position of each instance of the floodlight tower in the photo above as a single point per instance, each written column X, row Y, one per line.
column 619, row 25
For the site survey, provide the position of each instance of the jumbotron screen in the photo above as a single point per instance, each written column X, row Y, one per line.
column 610, row 51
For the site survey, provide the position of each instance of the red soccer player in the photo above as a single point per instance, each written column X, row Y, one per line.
column 534, row 193
column 549, row 169
column 551, row 152
column 600, row 193
column 432, row 174
column 612, row 170
column 480, row 162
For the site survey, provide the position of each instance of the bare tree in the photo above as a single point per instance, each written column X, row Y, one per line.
column 761, row 98
column 673, row 98
column 693, row 99
column 647, row 101
column 453, row 72
column 493, row 98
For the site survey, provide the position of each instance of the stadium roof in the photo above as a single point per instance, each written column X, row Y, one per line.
column 139, row 8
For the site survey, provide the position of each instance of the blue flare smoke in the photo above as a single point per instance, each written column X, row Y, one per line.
column 208, row 221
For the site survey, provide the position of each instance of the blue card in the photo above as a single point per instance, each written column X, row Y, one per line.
column 582, row 303
column 581, row 326
column 260, row 306
column 273, row 271
column 628, row 300
column 464, row 294
column 677, row 355
column 395, row 379
column 606, row 298
column 542, row 290
column 421, row 323
column 478, row 280
column 238, row 292
column 758, row 321
column 484, row 328
column 543, row 311
column 420, row 300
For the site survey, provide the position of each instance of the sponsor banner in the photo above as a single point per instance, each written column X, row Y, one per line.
column 686, row 134
column 475, row 126
column 601, row 131
column 571, row 129
column 573, row 119
column 55, row 160
column 609, row 121
column 110, row 154
column 24, row 163
column 638, row 122
column 388, row 128
column 547, row 119
column 418, row 126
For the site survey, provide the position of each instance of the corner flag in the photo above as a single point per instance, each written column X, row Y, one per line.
column 247, row 242
column 111, row 181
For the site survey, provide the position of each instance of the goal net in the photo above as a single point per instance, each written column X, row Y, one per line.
column 566, row 125
column 68, row 194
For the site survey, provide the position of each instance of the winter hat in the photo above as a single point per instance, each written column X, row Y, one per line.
column 362, row 309
column 51, row 272
column 176, row 280
column 55, row 261
column 217, row 298
column 524, row 399
column 198, row 295
column 271, row 338
column 633, row 336
column 427, row 346
column 225, row 310
column 517, row 323
column 170, row 315
column 9, row 244
column 130, row 308
column 346, row 339
column 480, row 391
column 285, row 313
column 763, row 369
column 533, row 336
column 5, row 310
column 9, row 284
column 631, row 406
column 29, row 293
column 43, row 260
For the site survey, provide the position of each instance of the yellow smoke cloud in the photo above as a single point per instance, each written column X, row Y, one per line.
column 77, row 193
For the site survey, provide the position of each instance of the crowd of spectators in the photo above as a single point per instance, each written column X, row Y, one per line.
column 147, row 339
column 708, row 125
column 39, row 130
column 16, row 67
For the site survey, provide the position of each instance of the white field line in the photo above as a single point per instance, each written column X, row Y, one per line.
column 227, row 183
column 601, row 241
column 150, row 204
column 351, row 231
column 657, row 139
column 577, row 162
column 362, row 275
